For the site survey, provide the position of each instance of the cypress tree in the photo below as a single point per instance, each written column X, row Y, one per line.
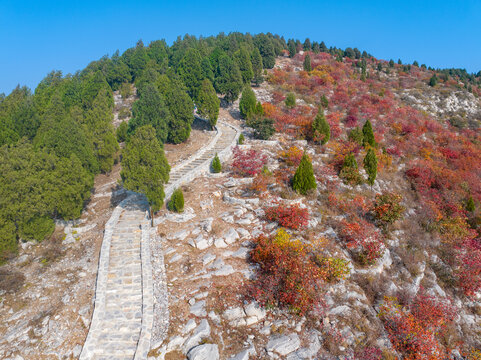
column 470, row 206
column 257, row 66
column 304, row 179
column 320, row 127
column 144, row 166
column 241, row 139
column 247, row 103
column 391, row 63
column 291, row 46
column 290, row 100
column 208, row 103
column 216, row 165
column 228, row 80
column 324, row 102
column 176, row 202
column 368, row 134
column 433, row 80
column 244, row 63
column 370, row 165
column 307, row 63
column 307, row 45
column 350, row 172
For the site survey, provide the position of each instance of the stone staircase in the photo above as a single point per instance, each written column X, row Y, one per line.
column 123, row 315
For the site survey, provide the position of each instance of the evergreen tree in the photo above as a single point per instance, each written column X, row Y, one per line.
column 181, row 109
column 176, row 202
column 190, row 71
column 206, row 68
column 320, row 127
column 247, row 103
column 315, row 47
column 307, row 45
column 216, row 165
column 433, row 80
column 370, row 165
column 144, row 166
column 290, row 101
column 324, row 102
column 323, row 47
column 151, row 109
column 368, row 134
column 349, row 171
column 122, row 132
column 307, row 63
column 399, row 62
column 257, row 66
column 244, row 63
column 228, row 79
column 291, row 46
column 470, row 206
column 391, row 63
column 266, row 50
column 304, row 179
column 208, row 103
column 241, row 139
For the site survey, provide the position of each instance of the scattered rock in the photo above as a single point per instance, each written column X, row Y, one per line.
column 198, row 309
column 204, row 352
column 284, row 345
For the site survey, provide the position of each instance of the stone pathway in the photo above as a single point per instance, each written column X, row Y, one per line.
column 123, row 315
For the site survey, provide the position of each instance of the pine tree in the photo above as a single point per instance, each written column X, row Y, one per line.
column 391, row 63
column 291, row 46
column 228, row 80
column 208, row 103
column 144, row 166
column 433, row 80
column 368, row 134
column 290, row 100
column 307, row 45
column 257, row 66
column 247, row 103
column 216, row 165
column 470, row 206
column 244, row 63
column 349, row 171
column 304, row 179
column 320, row 127
column 176, row 202
column 370, row 165
column 307, row 63
column 190, row 71
column 181, row 109
column 315, row 47
column 241, row 139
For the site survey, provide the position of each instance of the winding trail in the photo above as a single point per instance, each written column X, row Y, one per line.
column 123, row 315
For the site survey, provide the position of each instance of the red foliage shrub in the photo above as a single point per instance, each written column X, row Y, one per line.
column 368, row 353
column 292, row 216
column 362, row 238
column 412, row 330
column 248, row 163
column 469, row 272
column 287, row 276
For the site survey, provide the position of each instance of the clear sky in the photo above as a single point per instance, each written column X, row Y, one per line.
column 39, row 36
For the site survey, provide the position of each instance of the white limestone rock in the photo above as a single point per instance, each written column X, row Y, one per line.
column 204, row 352
column 284, row 345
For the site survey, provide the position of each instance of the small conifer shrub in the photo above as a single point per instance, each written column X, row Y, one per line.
column 176, row 202
column 290, row 101
column 370, row 165
column 216, row 165
column 350, row 172
column 368, row 134
column 304, row 179
column 241, row 139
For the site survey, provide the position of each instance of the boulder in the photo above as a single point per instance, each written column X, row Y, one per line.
column 204, row 352
column 284, row 345
column 201, row 332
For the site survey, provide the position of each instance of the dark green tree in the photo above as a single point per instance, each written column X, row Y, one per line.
column 257, row 66
column 304, row 179
column 291, row 46
column 315, row 47
column 208, row 103
column 470, row 206
column 190, row 71
column 122, row 132
column 290, row 100
column 391, row 63
column 247, row 103
column 151, row 109
column 266, row 50
column 144, row 166
column 176, row 202
column 263, row 127
column 206, row 67
column 433, row 80
column 368, row 134
column 320, row 128
column 349, row 171
column 241, row 139
column 216, row 165
column 307, row 45
column 307, row 63
column 228, row 80
column 243, row 60
column 370, row 165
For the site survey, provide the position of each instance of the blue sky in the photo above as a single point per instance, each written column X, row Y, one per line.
column 39, row 36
